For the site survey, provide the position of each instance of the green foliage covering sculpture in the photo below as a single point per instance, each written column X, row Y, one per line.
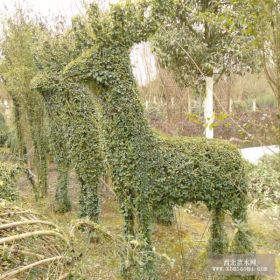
column 150, row 172
column 73, row 122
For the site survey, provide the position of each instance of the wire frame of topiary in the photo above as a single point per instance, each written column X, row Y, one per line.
column 30, row 246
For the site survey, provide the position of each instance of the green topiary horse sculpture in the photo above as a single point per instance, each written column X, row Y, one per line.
column 149, row 172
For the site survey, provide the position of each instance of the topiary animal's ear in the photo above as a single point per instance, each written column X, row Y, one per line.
column 134, row 21
column 80, row 32
column 94, row 18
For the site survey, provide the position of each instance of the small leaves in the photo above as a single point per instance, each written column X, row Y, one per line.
column 203, row 36
column 151, row 173
column 8, row 190
column 73, row 124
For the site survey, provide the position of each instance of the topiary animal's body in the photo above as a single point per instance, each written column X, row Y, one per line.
column 74, row 128
column 149, row 172
column 58, row 131
column 76, row 143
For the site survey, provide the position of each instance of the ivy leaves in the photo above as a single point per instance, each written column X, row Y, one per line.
column 73, row 122
column 150, row 173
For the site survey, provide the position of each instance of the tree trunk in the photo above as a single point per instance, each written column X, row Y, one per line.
column 189, row 102
column 36, row 118
column 229, row 97
column 230, row 105
column 22, row 149
column 209, row 107
column 254, row 105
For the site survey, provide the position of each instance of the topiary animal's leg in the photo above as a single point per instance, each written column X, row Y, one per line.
column 62, row 202
column 89, row 202
column 146, row 258
column 92, row 202
column 218, row 243
column 92, row 206
column 127, row 263
column 129, row 222
column 83, row 199
column 242, row 243
column 89, row 199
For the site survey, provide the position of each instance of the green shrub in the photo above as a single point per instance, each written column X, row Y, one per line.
column 266, row 101
column 12, row 141
column 8, row 174
column 264, row 184
column 3, row 131
column 240, row 106
column 272, row 161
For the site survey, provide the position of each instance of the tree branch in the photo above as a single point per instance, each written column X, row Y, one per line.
column 31, row 234
column 15, row 224
column 27, row 267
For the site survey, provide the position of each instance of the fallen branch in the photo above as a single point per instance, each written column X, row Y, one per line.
column 15, row 213
column 95, row 227
column 15, row 224
column 24, row 268
column 24, row 252
column 31, row 234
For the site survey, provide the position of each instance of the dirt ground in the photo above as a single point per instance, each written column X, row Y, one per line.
column 182, row 246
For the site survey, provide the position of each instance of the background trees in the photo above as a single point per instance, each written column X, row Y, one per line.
column 17, row 69
column 263, row 21
column 200, row 42
column 270, row 47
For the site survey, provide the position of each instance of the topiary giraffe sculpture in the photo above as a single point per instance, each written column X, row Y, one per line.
column 150, row 172
column 74, row 125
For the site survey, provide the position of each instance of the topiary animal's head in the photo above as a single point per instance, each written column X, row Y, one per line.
column 52, row 54
column 105, row 61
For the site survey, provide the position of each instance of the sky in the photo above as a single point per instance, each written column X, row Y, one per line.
column 44, row 7
column 50, row 8
column 143, row 62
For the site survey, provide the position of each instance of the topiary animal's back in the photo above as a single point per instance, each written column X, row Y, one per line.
column 197, row 169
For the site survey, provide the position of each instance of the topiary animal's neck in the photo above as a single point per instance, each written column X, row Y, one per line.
column 123, row 112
